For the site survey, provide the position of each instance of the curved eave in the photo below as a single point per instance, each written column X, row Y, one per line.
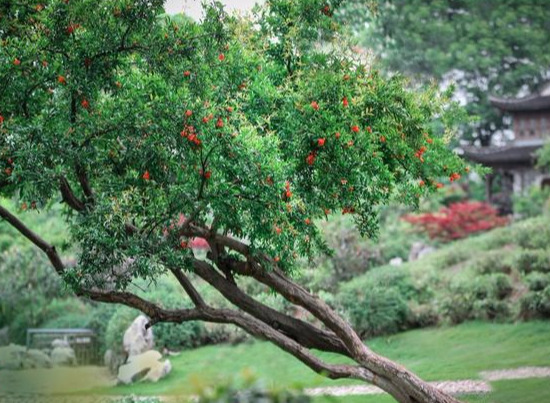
column 502, row 155
column 527, row 104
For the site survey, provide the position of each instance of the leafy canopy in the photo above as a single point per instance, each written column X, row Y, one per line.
column 488, row 47
column 259, row 127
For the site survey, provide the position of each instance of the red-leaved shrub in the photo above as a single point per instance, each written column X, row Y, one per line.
column 458, row 220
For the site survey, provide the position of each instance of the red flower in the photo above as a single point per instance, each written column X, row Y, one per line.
column 1, row 119
column 278, row 230
column 439, row 185
column 229, row 109
column 310, row 159
column 24, row 206
column 346, row 77
column 369, row 129
column 345, row 102
column 429, row 140
column 383, row 139
column 420, row 152
column 205, row 119
column 321, row 142
column 219, row 123
column 288, row 193
column 85, row 104
column 61, row 80
column 221, row 57
column 355, row 129
column 337, row 135
column 343, row 181
column 315, row 105
column 277, row 258
column 184, row 244
column 307, row 221
column 186, row 73
column 188, row 113
column 16, row 61
column 421, row 183
column 348, row 210
column 146, row 176
column 454, row 176
column 207, row 174
column 350, row 143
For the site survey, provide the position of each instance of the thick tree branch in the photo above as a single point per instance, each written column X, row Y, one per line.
column 304, row 333
column 50, row 250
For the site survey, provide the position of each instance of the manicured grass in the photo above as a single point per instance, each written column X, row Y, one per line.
column 458, row 352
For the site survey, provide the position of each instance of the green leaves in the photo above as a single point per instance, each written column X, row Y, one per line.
column 238, row 123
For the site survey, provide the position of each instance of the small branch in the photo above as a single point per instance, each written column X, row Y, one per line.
column 69, row 196
column 188, row 287
column 84, row 183
column 50, row 250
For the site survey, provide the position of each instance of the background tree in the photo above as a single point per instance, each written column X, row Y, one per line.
column 242, row 132
column 488, row 48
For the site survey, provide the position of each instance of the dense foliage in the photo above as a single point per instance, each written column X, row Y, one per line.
column 489, row 48
column 162, row 117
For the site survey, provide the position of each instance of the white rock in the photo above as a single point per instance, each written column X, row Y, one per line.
column 137, row 339
column 396, row 261
column 145, row 366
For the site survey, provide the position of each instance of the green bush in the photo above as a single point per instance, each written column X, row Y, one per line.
column 535, row 304
column 496, row 261
column 477, row 297
column 250, row 393
column 532, row 204
column 528, row 261
column 533, row 234
column 537, row 281
column 376, row 311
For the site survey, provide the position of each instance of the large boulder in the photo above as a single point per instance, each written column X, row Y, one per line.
column 137, row 338
column 12, row 356
column 146, row 367
column 63, row 356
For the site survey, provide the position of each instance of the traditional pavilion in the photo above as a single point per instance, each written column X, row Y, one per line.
column 513, row 165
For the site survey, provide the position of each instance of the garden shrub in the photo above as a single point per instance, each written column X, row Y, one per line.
column 528, row 261
column 497, row 261
column 537, row 281
column 457, row 221
column 376, row 311
column 535, row 304
column 250, row 393
column 533, row 234
column 535, row 203
column 477, row 297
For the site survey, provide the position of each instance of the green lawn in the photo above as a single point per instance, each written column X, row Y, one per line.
column 458, row 352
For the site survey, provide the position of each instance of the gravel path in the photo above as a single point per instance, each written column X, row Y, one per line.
column 452, row 387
